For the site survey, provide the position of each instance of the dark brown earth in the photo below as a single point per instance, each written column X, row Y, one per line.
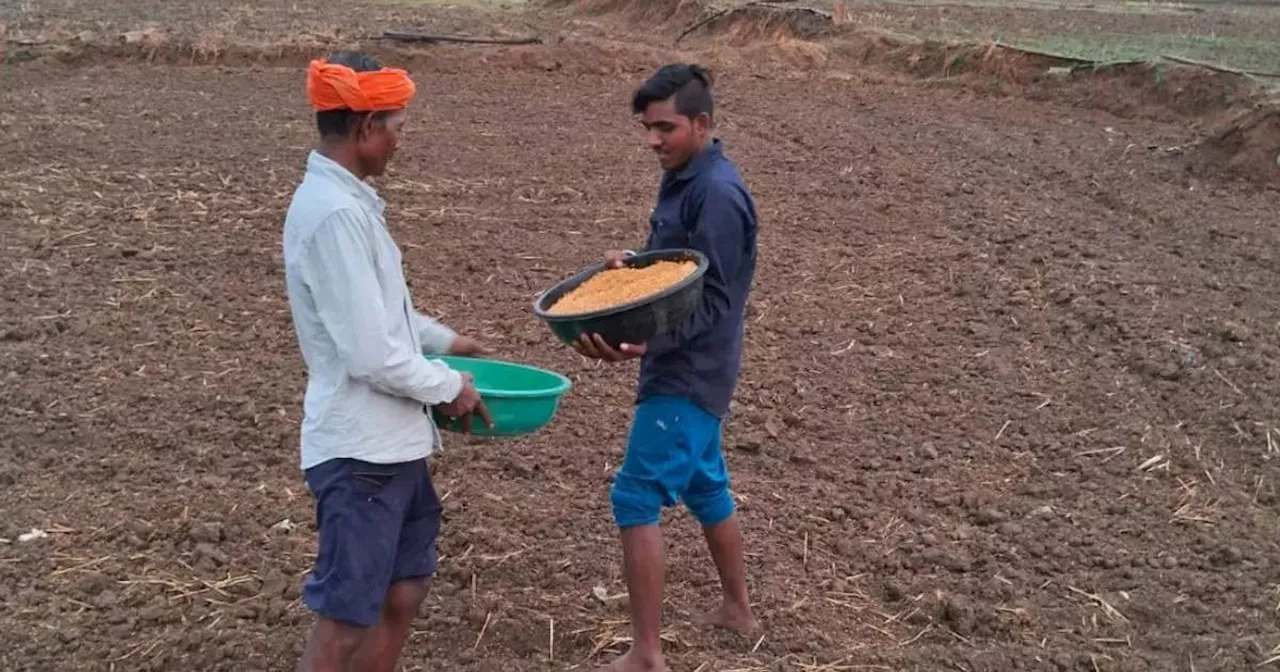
column 1008, row 404
column 1014, row 20
column 1248, row 146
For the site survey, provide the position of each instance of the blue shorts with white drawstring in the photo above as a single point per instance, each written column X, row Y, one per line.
column 673, row 455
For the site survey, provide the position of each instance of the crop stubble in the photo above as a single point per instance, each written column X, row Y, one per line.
column 1008, row 401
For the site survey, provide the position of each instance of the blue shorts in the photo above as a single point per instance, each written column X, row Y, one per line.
column 673, row 454
column 378, row 524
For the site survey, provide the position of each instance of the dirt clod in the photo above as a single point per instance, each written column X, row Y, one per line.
column 1235, row 332
column 1227, row 556
column 977, row 289
column 990, row 516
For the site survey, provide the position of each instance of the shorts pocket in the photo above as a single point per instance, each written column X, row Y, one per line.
column 370, row 479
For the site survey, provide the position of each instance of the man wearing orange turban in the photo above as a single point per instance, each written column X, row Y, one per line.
column 366, row 430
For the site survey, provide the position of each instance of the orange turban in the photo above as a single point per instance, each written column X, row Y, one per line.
column 337, row 87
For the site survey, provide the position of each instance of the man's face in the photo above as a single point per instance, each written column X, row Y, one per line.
column 674, row 137
column 377, row 139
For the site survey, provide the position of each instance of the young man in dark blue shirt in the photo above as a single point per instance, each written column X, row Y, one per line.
column 687, row 377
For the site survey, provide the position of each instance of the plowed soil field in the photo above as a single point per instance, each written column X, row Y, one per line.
column 1009, row 398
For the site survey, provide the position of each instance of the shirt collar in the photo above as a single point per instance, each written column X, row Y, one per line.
column 699, row 162
column 320, row 165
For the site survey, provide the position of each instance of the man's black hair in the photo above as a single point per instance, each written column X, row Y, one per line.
column 339, row 123
column 690, row 84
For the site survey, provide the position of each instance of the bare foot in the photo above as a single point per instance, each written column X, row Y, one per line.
column 730, row 617
column 633, row 663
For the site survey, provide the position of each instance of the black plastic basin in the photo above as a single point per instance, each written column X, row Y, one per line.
column 634, row 322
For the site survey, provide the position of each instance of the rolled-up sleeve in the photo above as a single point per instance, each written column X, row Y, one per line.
column 338, row 268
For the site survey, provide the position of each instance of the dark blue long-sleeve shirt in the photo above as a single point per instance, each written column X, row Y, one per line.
column 704, row 206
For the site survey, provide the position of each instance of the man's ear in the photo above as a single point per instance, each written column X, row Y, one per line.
column 702, row 122
column 363, row 127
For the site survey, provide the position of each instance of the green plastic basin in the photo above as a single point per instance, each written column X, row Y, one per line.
column 522, row 399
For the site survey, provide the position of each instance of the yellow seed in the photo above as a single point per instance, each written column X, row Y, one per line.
column 616, row 286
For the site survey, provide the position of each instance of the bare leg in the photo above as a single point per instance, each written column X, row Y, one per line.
column 381, row 649
column 725, row 542
column 642, row 565
column 332, row 647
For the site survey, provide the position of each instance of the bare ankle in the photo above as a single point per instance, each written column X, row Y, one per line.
column 648, row 658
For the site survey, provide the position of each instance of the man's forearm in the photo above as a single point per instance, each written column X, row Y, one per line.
column 435, row 338
column 403, row 374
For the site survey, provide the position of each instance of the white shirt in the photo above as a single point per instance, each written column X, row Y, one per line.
column 368, row 385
